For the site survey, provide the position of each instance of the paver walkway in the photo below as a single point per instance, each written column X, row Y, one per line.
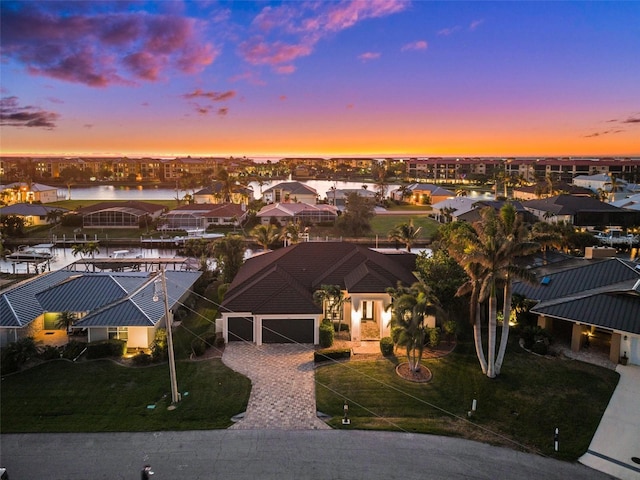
column 283, row 390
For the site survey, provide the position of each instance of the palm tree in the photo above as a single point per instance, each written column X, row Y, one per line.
column 410, row 308
column 614, row 184
column 332, row 299
column 54, row 215
column 65, row 320
column 291, row 233
column 77, row 249
column 229, row 254
column 265, row 235
column 487, row 256
column 405, row 233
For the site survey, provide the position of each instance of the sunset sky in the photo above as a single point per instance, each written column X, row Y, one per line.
column 320, row 78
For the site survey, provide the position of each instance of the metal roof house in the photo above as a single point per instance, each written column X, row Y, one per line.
column 591, row 296
column 271, row 298
column 108, row 305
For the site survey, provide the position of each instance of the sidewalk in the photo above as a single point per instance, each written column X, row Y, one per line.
column 615, row 447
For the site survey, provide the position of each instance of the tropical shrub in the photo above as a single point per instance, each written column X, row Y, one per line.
column 434, row 337
column 386, row 346
column 159, row 346
column 141, row 359
column 326, row 334
column 107, row 348
column 333, row 354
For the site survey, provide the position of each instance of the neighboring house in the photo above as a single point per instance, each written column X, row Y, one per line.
column 630, row 203
column 338, row 196
column 422, row 194
column 118, row 214
column 597, row 182
column 285, row 213
column 19, row 192
column 541, row 190
column 108, row 304
column 199, row 216
column 32, row 213
column 271, row 298
column 475, row 214
column 290, row 192
column 591, row 296
column 215, row 194
column 449, row 209
column 580, row 211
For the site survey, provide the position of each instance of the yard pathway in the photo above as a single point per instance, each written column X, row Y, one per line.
column 283, row 389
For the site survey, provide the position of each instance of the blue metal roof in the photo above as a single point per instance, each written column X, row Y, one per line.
column 111, row 298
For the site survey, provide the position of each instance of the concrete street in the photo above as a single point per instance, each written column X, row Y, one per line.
column 273, row 455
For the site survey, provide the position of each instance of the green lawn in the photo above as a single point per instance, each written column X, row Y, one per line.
column 382, row 224
column 101, row 396
column 519, row 409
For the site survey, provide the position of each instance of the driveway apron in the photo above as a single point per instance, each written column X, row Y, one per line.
column 282, row 385
column 615, row 447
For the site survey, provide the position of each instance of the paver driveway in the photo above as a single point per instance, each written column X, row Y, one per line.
column 283, row 389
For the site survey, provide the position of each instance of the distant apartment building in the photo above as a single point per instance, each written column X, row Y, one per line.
column 526, row 168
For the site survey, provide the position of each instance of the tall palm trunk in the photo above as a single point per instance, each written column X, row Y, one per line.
column 504, row 338
column 474, row 313
column 491, row 343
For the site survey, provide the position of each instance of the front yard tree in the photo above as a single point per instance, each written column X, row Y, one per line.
column 229, row 254
column 487, row 252
column 405, row 233
column 410, row 308
column 332, row 299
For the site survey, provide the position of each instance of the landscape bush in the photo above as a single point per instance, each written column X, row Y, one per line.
column 142, row 359
column 198, row 346
column 107, row 348
column 533, row 334
column 434, row 337
column 73, row 349
column 331, row 354
column 49, row 352
column 386, row 346
column 326, row 334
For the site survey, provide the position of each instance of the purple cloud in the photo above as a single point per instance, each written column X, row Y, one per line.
column 213, row 96
column 449, row 31
column 365, row 57
column 418, row 45
column 306, row 23
column 13, row 115
column 100, row 49
column 475, row 24
column 632, row 120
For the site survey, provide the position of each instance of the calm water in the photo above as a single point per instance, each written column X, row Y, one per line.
column 110, row 192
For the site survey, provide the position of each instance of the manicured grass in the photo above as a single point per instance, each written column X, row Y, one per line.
column 102, row 396
column 382, row 224
column 519, row 409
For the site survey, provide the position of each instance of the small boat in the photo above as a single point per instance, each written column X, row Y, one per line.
column 25, row 253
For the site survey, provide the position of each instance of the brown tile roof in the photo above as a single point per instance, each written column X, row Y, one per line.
column 283, row 281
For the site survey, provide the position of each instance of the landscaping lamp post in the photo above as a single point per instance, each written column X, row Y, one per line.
column 175, row 396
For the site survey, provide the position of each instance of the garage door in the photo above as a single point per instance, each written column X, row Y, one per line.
column 287, row 330
column 240, row 329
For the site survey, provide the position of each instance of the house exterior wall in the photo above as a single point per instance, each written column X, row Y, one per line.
column 97, row 334
column 381, row 314
column 140, row 337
